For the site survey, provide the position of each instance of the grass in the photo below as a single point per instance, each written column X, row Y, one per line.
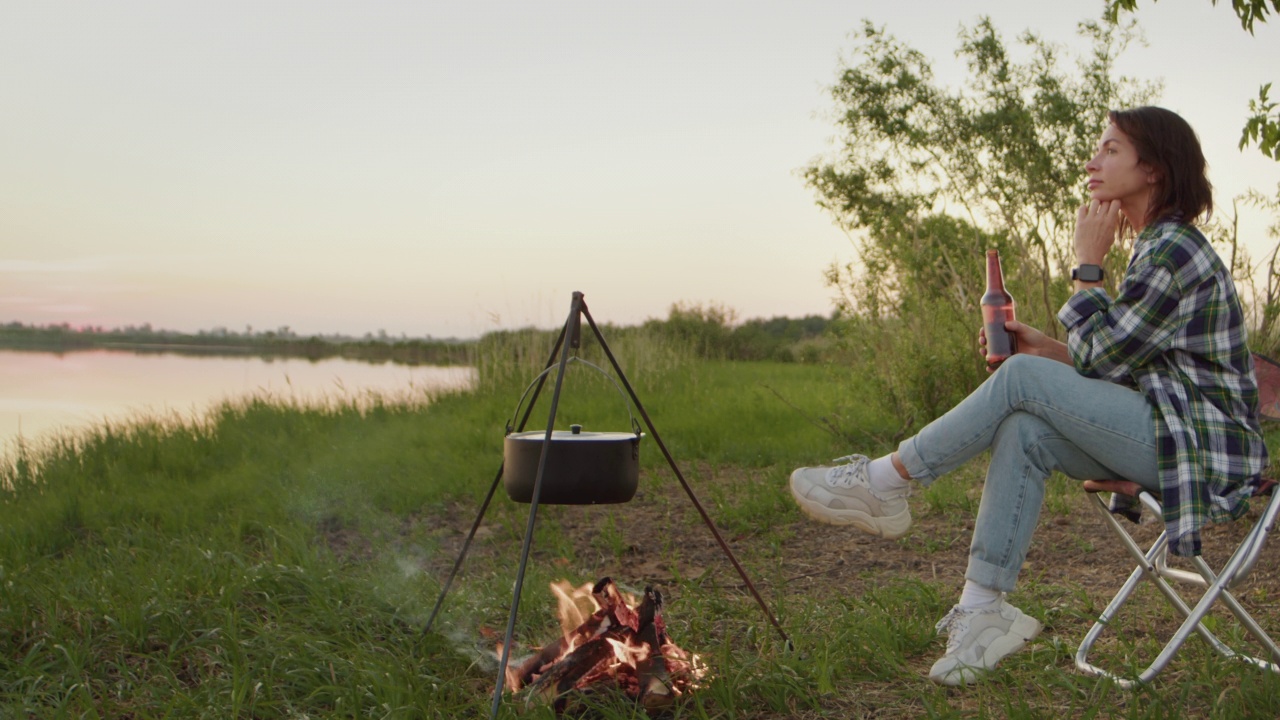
column 268, row 563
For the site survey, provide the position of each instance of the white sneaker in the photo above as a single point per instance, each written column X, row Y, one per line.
column 979, row 640
column 842, row 495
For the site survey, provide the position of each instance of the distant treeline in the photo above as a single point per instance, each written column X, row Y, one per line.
column 282, row 342
column 714, row 333
column 710, row 332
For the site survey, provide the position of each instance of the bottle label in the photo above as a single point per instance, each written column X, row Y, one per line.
column 1000, row 342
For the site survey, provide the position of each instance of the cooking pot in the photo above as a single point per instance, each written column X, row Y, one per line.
column 583, row 468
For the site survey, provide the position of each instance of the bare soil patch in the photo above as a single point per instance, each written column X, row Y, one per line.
column 1073, row 549
column 660, row 539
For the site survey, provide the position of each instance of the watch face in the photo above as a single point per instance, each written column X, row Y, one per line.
column 1087, row 273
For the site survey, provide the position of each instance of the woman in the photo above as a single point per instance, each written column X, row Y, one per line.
column 1155, row 386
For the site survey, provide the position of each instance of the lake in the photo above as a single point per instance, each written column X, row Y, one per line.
column 42, row 393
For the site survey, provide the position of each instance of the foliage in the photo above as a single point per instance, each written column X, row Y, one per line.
column 1261, row 303
column 704, row 329
column 712, row 332
column 1265, row 338
column 927, row 179
column 1247, row 10
column 1263, row 126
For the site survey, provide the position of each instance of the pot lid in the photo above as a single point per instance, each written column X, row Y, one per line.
column 583, row 436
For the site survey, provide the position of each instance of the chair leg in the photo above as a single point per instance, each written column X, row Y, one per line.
column 1222, row 583
column 1151, row 566
column 1104, row 620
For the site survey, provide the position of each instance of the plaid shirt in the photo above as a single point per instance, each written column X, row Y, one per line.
column 1176, row 332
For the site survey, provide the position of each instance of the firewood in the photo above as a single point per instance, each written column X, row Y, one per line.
column 537, row 662
column 654, row 680
column 532, row 667
column 565, row 673
column 562, row 676
column 612, row 603
column 608, row 598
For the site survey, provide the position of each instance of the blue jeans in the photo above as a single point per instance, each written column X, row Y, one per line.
column 1036, row 416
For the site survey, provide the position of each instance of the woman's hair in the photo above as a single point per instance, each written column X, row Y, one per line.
column 1170, row 147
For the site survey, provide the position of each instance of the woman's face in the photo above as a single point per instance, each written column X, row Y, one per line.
column 1115, row 173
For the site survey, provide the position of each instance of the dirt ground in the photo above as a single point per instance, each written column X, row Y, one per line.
column 660, row 539
column 1073, row 549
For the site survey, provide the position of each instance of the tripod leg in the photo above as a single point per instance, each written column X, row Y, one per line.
column 574, row 310
column 684, row 483
column 466, row 545
column 484, row 507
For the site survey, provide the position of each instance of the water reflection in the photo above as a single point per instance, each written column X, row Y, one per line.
column 43, row 393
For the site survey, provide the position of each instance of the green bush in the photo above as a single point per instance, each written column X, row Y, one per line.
column 928, row 178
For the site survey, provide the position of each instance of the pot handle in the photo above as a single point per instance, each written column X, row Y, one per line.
column 635, row 426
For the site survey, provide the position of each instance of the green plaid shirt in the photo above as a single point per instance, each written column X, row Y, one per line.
column 1176, row 332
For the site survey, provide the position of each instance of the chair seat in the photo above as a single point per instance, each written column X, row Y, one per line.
column 1127, row 487
column 1124, row 487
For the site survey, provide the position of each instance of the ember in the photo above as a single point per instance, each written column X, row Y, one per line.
column 608, row 641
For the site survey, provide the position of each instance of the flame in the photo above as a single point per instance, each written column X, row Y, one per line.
column 616, row 639
column 630, row 654
column 575, row 605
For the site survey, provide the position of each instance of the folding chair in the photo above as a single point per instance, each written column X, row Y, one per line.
column 1153, row 566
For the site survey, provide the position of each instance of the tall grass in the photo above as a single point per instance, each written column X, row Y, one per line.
column 268, row 561
column 160, row 568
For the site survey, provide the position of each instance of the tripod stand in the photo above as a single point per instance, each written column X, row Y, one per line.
column 572, row 332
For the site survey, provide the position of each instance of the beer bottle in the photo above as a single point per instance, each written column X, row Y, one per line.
column 997, row 307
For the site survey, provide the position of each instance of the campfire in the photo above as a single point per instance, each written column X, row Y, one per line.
column 609, row 641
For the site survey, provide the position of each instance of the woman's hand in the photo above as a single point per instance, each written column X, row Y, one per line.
column 1030, row 342
column 1096, row 225
column 982, row 347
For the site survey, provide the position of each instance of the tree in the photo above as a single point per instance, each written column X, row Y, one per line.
column 927, row 179
column 1263, row 126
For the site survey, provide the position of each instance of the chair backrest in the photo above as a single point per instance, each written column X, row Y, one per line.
column 1252, row 546
column 1267, row 372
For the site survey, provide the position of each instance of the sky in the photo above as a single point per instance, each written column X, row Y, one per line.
column 446, row 169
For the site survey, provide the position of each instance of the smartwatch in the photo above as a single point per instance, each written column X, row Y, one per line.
column 1087, row 273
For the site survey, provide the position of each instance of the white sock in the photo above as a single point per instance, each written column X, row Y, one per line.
column 884, row 476
column 976, row 597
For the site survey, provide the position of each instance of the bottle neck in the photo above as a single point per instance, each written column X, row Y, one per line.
column 995, row 278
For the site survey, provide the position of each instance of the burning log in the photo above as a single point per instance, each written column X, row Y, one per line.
column 564, row 675
column 655, row 682
column 614, row 605
column 618, row 646
column 610, row 604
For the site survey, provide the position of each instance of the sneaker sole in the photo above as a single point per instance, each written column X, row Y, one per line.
column 1024, row 630
column 890, row 527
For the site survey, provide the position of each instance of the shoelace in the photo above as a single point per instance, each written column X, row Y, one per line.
column 842, row 475
column 953, row 622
